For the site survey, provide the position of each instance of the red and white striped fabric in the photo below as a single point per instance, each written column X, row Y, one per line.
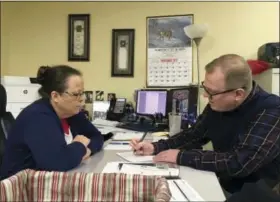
column 30, row 185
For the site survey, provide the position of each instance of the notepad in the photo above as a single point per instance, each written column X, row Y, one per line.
column 128, row 135
column 131, row 157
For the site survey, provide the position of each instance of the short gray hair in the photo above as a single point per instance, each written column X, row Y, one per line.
column 237, row 71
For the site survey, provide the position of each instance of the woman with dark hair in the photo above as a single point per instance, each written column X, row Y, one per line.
column 52, row 133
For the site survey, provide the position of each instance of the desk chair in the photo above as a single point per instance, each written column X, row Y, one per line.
column 256, row 192
column 6, row 120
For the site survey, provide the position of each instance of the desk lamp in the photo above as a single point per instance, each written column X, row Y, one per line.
column 196, row 32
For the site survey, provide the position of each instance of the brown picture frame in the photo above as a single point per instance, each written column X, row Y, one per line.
column 79, row 37
column 123, row 38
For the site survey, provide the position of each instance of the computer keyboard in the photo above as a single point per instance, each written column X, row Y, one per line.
column 136, row 126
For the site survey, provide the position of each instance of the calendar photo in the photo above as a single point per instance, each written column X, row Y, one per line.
column 169, row 51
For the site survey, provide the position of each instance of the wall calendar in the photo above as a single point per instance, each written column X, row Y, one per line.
column 169, row 51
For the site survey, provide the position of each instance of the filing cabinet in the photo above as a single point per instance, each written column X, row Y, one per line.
column 20, row 93
column 269, row 80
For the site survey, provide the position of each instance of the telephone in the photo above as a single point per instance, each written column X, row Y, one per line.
column 117, row 109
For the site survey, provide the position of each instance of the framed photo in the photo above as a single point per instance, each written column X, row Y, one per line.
column 78, row 37
column 122, row 53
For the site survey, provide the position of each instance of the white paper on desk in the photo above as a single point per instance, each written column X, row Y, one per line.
column 176, row 194
column 131, row 157
column 148, row 170
column 117, row 147
column 157, row 138
column 103, row 122
column 105, row 129
column 190, row 192
column 128, row 135
column 111, row 167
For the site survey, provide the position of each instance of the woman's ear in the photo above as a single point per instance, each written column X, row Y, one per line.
column 55, row 96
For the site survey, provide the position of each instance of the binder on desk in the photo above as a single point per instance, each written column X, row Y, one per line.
column 169, row 171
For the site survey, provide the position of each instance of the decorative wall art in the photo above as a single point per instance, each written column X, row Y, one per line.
column 99, row 95
column 78, row 37
column 122, row 53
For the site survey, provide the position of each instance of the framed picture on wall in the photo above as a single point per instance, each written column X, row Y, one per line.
column 122, row 53
column 78, row 37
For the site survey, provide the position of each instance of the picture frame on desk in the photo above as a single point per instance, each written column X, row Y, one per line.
column 78, row 37
column 122, row 53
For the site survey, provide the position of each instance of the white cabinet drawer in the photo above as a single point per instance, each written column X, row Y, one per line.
column 276, row 70
column 16, row 107
column 15, row 114
column 275, row 82
column 22, row 93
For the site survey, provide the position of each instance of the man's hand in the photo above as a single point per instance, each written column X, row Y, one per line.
column 168, row 156
column 142, row 148
column 87, row 155
column 82, row 139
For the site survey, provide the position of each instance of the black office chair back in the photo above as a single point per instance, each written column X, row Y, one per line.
column 6, row 120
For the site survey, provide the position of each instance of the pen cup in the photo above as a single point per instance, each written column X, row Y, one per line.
column 174, row 123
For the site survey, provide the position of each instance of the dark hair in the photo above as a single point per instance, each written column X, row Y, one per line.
column 54, row 78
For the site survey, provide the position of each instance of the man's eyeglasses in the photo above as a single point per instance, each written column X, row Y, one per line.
column 76, row 95
column 211, row 95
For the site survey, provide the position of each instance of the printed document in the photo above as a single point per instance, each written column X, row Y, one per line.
column 131, row 157
column 128, row 135
column 141, row 169
column 120, row 146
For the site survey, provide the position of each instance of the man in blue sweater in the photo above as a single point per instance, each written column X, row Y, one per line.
column 52, row 133
column 241, row 120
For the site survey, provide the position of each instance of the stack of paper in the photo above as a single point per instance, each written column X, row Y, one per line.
column 127, row 135
column 131, row 157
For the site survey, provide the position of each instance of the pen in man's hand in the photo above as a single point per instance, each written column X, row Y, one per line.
column 141, row 140
column 119, row 143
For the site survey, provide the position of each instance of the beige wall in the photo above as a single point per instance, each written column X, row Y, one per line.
column 35, row 34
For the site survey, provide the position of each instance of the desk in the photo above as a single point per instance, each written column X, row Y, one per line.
column 205, row 183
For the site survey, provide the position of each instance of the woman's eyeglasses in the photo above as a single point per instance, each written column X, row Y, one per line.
column 76, row 95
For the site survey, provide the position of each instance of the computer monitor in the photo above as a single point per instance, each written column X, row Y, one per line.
column 150, row 102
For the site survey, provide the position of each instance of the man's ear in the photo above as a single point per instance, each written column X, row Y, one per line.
column 240, row 94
